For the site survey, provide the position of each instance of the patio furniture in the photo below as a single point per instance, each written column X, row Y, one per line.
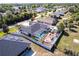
column 49, row 37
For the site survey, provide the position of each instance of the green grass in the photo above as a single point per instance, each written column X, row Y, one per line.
column 2, row 34
column 67, row 41
column 11, row 30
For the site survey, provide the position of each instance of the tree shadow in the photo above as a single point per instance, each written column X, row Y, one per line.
column 74, row 26
column 65, row 33
column 73, row 30
column 57, row 42
column 16, row 34
column 70, row 52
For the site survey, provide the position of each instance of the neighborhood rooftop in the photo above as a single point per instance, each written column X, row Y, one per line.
column 9, row 46
column 40, row 9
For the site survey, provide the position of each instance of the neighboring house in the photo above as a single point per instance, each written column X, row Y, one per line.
column 14, row 46
column 2, row 14
column 40, row 9
column 61, row 9
column 57, row 7
column 49, row 20
column 16, row 9
column 58, row 14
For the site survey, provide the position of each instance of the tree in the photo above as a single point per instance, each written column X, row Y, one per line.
column 65, row 22
column 72, row 9
column 34, row 5
column 5, row 7
column 1, row 18
column 5, row 19
column 70, row 22
column 8, row 17
column 60, row 26
column 70, row 19
column 46, row 5
column 5, row 28
column 0, row 23
column 50, row 10
column 77, row 19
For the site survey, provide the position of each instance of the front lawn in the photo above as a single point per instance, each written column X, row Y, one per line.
column 11, row 30
column 2, row 34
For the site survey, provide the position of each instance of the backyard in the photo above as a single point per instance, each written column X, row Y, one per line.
column 66, row 41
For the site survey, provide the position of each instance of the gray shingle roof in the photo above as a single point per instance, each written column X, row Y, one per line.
column 58, row 14
column 12, row 48
column 34, row 28
column 40, row 9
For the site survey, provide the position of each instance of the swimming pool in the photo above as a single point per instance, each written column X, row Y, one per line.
column 39, row 35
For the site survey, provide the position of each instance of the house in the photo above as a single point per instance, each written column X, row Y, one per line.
column 40, row 9
column 13, row 46
column 58, row 14
column 57, row 7
column 36, row 31
column 60, row 11
column 50, row 20
column 16, row 9
column 34, row 28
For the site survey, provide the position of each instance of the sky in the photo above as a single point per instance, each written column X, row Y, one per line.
column 39, row 1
